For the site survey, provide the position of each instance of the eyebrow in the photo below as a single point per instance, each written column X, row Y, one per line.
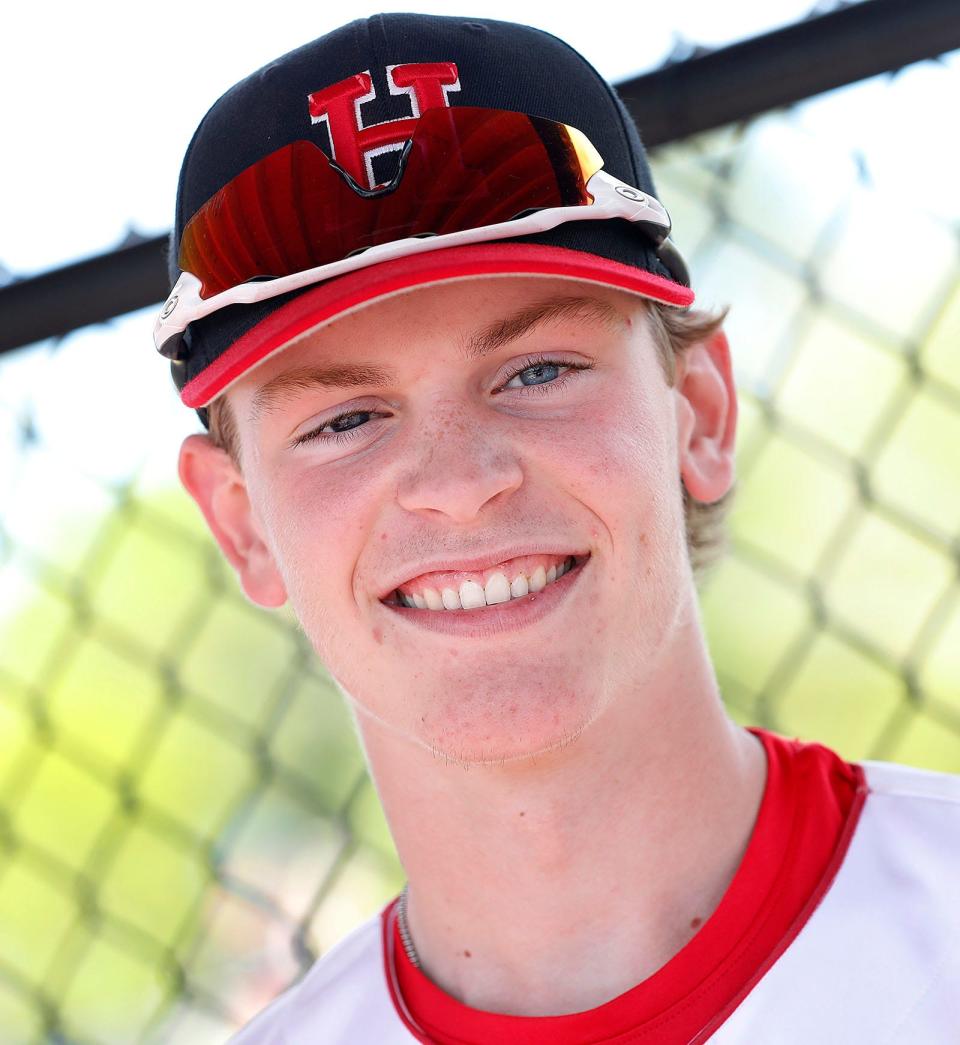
column 578, row 307
column 287, row 385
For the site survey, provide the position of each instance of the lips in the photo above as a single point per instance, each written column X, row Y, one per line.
column 495, row 623
column 468, row 589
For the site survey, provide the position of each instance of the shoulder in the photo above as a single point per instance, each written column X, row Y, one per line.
column 908, row 837
column 878, row 957
column 343, row 997
column 916, row 806
column 908, row 782
column 894, row 874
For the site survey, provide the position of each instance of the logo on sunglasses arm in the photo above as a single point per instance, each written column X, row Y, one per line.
column 353, row 145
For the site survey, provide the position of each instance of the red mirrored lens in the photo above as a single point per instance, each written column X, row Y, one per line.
column 465, row 168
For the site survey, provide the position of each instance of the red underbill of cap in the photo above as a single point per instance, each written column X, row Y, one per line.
column 348, row 293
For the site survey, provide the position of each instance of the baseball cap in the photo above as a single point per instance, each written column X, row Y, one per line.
column 357, row 94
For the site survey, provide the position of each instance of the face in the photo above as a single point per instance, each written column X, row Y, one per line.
column 511, row 441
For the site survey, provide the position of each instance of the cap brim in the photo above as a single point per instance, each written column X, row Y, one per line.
column 338, row 297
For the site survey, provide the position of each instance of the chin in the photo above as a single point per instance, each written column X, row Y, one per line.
column 494, row 725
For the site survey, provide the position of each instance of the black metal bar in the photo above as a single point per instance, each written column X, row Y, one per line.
column 89, row 291
column 673, row 102
column 788, row 65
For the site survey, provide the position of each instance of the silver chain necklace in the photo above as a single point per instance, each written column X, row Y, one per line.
column 405, row 937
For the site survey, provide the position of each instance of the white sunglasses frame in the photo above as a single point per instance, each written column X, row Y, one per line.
column 612, row 198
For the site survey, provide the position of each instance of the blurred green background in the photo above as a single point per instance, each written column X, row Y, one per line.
column 184, row 815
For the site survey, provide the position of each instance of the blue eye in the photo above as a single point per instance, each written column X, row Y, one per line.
column 539, row 374
column 345, row 422
column 343, row 427
column 543, row 372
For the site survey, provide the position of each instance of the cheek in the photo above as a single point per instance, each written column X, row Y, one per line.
column 619, row 460
column 616, row 453
column 316, row 530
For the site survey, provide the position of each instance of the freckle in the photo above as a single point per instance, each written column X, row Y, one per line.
column 696, row 923
column 523, row 812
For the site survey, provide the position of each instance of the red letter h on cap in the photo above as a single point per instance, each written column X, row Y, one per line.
column 353, row 146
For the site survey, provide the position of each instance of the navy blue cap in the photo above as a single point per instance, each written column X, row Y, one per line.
column 497, row 65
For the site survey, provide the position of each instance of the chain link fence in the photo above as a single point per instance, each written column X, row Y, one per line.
column 185, row 818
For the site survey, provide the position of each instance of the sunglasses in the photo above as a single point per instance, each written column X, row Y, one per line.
column 468, row 175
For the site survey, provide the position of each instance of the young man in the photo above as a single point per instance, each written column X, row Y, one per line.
column 463, row 421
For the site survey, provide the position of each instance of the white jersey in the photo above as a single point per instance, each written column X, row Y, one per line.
column 877, row 961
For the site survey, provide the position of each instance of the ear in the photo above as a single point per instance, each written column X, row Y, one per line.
column 706, row 418
column 217, row 485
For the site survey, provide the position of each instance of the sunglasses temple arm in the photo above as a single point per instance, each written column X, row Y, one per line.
column 649, row 213
column 673, row 260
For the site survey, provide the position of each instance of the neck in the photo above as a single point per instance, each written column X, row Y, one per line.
column 550, row 885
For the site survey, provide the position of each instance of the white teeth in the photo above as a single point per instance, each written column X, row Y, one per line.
column 497, row 590
column 519, row 587
column 471, row 596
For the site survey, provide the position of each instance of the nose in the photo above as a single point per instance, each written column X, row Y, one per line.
column 460, row 466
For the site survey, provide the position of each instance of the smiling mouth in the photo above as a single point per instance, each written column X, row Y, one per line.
column 500, row 584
